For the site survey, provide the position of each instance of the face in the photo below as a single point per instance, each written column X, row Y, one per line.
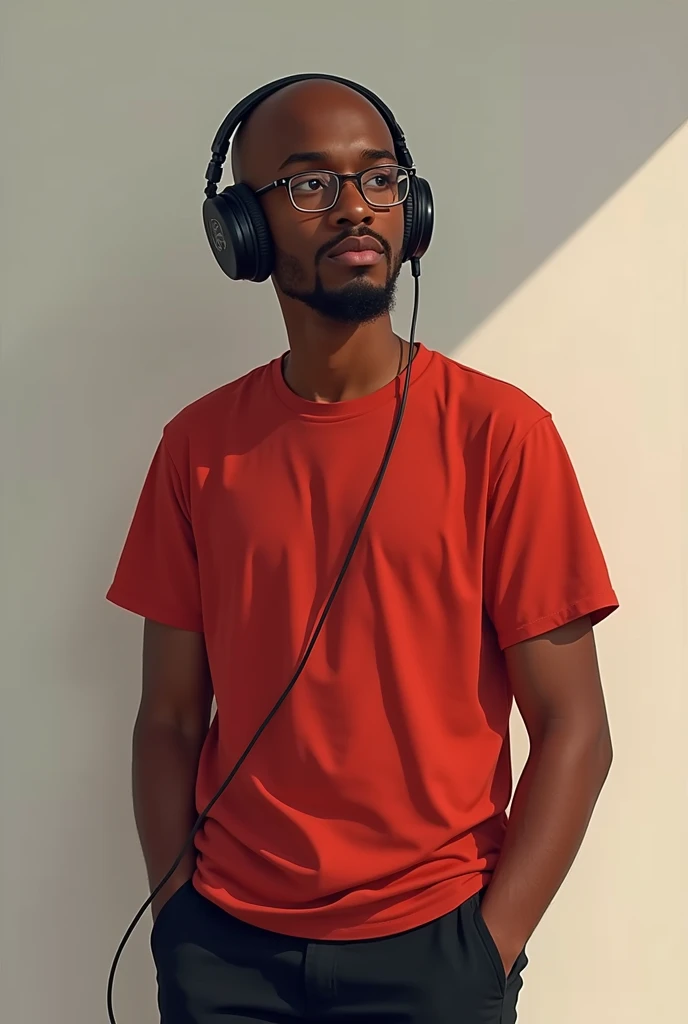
column 325, row 126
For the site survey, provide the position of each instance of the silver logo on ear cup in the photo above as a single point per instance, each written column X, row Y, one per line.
column 219, row 240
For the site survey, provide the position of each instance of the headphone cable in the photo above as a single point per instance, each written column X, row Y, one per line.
column 415, row 270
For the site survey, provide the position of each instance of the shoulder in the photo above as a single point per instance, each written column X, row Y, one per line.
column 208, row 417
column 487, row 407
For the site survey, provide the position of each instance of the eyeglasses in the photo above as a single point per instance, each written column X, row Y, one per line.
column 317, row 191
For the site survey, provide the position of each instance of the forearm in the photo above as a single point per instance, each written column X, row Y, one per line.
column 165, row 766
column 552, row 806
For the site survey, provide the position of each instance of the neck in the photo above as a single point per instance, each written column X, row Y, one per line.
column 332, row 362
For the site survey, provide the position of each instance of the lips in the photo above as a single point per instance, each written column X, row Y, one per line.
column 364, row 243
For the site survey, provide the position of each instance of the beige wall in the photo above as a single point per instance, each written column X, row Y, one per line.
column 600, row 334
column 560, row 262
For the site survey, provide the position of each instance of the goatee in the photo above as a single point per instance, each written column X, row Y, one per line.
column 358, row 302
column 355, row 303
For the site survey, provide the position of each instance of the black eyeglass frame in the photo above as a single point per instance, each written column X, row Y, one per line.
column 341, row 178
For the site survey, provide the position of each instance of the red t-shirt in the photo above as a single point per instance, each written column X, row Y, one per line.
column 376, row 799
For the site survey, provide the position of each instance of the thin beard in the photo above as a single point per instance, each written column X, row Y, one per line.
column 356, row 303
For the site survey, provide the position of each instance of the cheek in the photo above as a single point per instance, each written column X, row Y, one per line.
column 396, row 230
column 291, row 233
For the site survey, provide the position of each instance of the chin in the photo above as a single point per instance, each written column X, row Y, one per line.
column 361, row 281
column 359, row 301
column 363, row 277
column 363, row 295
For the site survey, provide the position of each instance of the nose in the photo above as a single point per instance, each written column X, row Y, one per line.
column 351, row 207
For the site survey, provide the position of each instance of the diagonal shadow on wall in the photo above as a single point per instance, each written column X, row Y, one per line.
column 539, row 112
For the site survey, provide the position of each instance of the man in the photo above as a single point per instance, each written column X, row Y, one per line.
column 360, row 866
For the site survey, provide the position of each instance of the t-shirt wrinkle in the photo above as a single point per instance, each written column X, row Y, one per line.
column 515, row 449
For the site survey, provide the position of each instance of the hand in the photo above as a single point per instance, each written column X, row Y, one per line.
column 167, row 892
column 508, row 948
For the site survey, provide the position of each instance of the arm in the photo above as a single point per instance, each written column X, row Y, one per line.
column 171, row 725
column 556, row 684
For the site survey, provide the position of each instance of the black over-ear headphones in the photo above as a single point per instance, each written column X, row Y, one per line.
column 234, row 220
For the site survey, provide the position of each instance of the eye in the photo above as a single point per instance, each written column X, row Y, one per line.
column 380, row 179
column 305, row 183
column 385, row 186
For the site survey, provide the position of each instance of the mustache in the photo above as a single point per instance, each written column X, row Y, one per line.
column 365, row 233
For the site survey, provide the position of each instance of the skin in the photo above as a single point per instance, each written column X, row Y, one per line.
column 555, row 678
column 556, row 683
column 171, row 725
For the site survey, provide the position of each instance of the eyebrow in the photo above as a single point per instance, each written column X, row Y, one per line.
column 315, row 156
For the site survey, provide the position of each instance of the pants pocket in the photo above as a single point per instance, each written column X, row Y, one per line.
column 166, row 911
column 512, row 981
column 489, row 945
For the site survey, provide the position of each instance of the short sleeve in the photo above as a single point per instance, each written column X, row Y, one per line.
column 157, row 575
column 543, row 565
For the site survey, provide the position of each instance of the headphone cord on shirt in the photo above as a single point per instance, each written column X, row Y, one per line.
column 415, row 270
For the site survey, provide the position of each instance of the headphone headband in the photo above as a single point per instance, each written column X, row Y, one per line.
column 241, row 111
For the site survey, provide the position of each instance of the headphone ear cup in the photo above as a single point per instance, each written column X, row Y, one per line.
column 239, row 235
column 264, row 247
column 419, row 219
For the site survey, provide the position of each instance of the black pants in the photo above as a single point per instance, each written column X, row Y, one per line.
column 213, row 968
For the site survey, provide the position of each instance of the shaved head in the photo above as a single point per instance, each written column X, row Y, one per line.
column 281, row 120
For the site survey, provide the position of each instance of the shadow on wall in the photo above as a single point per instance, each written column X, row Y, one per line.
column 538, row 121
